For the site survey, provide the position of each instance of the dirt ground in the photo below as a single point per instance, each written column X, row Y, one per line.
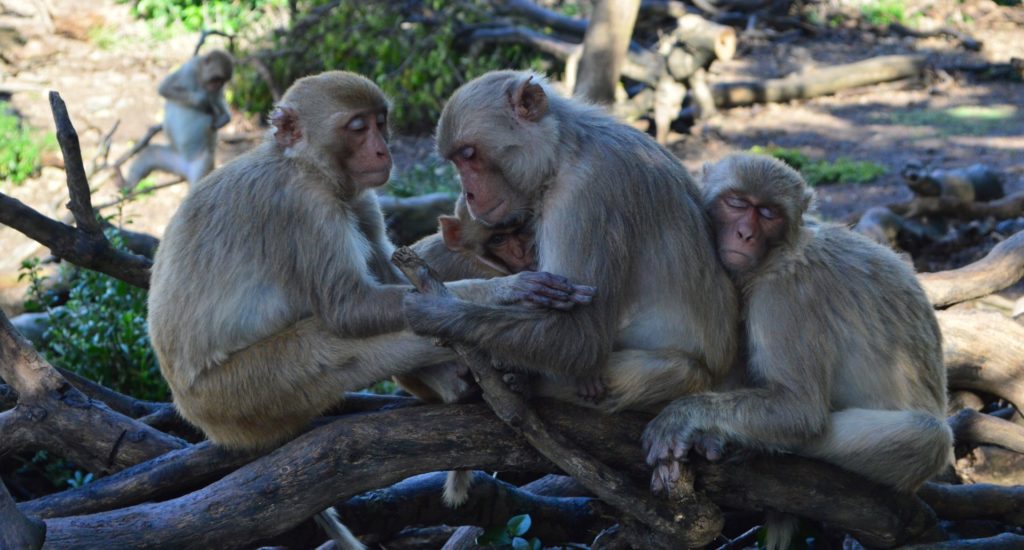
column 106, row 66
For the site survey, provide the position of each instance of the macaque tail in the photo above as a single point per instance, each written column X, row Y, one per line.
column 779, row 529
column 330, row 522
column 456, row 487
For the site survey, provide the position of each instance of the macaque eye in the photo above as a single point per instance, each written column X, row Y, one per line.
column 356, row 124
column 497, row 239
column 767, row 212
column 735, row 202
column 467, row 152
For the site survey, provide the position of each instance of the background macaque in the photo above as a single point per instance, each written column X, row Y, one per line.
column 609, row 207
column 194, row 111
column 843, row 349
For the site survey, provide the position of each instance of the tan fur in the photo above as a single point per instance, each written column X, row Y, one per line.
column 194, row 111
column 844, row 351
column 609, row 207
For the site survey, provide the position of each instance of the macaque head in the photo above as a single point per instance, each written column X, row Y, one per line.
column 215, row 68
column 501, row 132
column 505, row 250
column 338, row 122
column 756, row 204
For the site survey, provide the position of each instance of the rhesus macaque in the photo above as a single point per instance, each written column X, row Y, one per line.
column 843, row 351
column 272, row 291
column 610, row 208
column 194, row 111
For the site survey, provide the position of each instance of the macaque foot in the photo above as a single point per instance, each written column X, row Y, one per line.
column 591, row 389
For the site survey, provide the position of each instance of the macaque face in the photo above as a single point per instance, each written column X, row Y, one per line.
column 745, row 228
column 513, row 249
column 485, row 190
column 366, row 158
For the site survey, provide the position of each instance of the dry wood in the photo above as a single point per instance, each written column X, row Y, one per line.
column 978, row 501
column 1002, row 267
column 52, row 415
column 416, row 501
column 359, row 453
column 970, row 426
column 702, row 34
column 604, row 49
column 960, row 400
column 820, row 82
column 1009, row 206
column 85, row 246
column 16, row 529
column 983, row 351
column 694, row 521
column 987, row 464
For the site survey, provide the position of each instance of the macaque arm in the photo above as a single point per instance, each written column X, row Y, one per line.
column 183, row 86
column 221, row 113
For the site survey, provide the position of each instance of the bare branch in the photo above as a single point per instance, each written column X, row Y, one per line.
column 1002, row 267
column 983, row 351
column 80, row 204
column 971, row 426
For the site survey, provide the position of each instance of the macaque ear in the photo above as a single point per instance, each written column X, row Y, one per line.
column 529, row 101
column 286, row 126
column 451, row 232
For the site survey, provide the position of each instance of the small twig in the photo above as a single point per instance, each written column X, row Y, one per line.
column 695, row 525
column 206, row 33
column 137, row 192
column 99, row 160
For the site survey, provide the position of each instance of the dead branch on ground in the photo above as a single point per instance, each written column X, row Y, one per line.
column 984, row 351
column 972, row 427
column 1002, row 267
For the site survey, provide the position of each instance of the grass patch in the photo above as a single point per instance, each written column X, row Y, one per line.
column 884, row 12
column 965, row 120
column 21, row 148
column 823, row 172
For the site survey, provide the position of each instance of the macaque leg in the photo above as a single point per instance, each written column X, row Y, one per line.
column 155, row 157
column 901, row 449
column 301, row 371
column 196, row 168
column 641, row 380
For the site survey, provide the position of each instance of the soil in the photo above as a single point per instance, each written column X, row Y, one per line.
column 107, row 66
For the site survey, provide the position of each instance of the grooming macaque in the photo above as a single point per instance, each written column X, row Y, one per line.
column 272, row 290
column 194, row 111
column 843, row 350
column 608, row 207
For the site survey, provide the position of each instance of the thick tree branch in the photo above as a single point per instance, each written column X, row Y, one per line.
column 979, row 501
column 16, row 529
column 52, row 415
column 80, row 204
column 694, row 523
column 971, row 426
column 1002, row 267
column 983, row 351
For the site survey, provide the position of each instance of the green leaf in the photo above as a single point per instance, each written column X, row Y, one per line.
column 519, row 525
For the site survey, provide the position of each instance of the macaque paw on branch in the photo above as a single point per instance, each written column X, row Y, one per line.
column 668, row 440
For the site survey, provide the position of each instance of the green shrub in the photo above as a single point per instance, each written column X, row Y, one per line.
column 884, row 12
column 21, row 149
column 229, row 16
column 100, row 332
column 510, row 535
column 820, row 172
column 409, row 49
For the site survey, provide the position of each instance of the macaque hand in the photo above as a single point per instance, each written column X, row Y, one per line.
column 591, row 388
column 669, row 438
column 544, row 289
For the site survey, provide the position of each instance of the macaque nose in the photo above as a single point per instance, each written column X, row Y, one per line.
column 470, row 197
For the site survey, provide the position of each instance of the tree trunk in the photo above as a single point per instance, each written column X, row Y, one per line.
column 604, row 49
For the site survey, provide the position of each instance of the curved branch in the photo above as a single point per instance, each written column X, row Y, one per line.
column 1002, row 267
column 977, row 501
column 971, row 426
column 983, row 351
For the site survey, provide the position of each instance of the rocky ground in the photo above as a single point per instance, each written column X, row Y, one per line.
column 106, row 66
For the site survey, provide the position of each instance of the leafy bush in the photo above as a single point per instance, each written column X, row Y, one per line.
column 408, row 48
column 100, row 332
column 228, row 16
column 22, row 148
column 821, row 172
column 884, row 12
column 510, row 535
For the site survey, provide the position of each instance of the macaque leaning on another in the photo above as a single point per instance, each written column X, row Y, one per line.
column 843, row 349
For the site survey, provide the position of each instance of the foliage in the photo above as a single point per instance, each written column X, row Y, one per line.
column 884, row 12
column 410, row 49
column 100, row 332
column 22, row 148
column 820, row 172
column 510, row 535
column 425, row 177
column 228, row 16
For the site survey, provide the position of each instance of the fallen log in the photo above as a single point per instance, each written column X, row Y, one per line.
column 987, row 464
column 701, row 34
column 983, row 351
column 970, row 426
column 1002, row 267
column 820, row 82
column 974, row 183
column 977, row 501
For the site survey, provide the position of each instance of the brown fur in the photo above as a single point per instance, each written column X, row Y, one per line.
column 610, row 208
column 843, row 350
column 194, row 111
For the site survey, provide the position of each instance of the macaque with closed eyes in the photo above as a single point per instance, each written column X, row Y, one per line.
column 194, row 111
column 843, row 350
